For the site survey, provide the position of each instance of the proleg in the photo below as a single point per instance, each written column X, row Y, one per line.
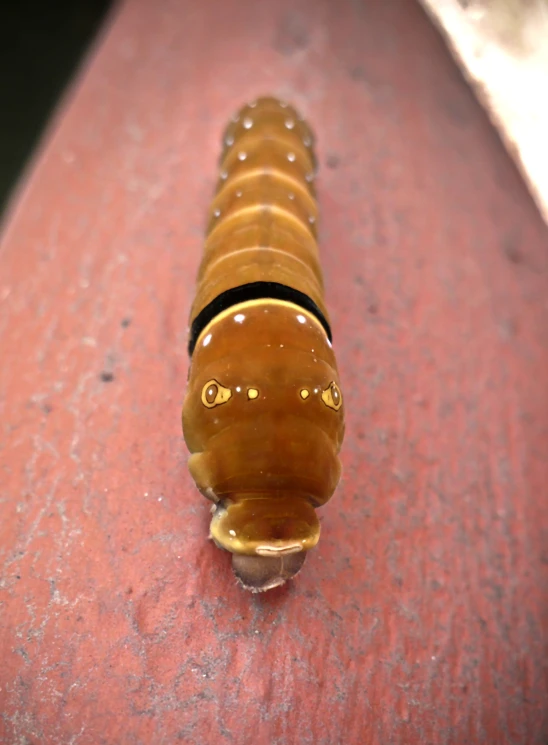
column 263, row 413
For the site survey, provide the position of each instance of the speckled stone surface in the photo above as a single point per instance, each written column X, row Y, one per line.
column 419, row 617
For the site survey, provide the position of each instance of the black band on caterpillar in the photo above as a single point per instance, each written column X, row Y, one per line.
column 253, row 291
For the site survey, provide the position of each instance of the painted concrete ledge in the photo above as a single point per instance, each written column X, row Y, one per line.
column 419, row 618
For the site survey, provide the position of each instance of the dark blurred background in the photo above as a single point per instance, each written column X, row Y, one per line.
column 41, row 47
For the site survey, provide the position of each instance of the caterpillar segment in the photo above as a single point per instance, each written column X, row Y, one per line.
column 263, row 413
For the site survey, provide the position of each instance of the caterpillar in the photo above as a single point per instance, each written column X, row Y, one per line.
column 263, row 412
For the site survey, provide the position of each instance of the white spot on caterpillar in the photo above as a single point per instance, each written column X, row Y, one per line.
column 238, row 389
column 217, row 213
column 247, row 122
column 309, row 177
column 239, row 193
column 224, row 175
column 311, row 219
column 289, row 123
column 229, row 140
column 232, row 532
column 301, row 319
column 206, row 340
column 252, row 104
column 239, row 318
column 242, row 155
column 307, row 142
column 291, row 157
column 291, row 195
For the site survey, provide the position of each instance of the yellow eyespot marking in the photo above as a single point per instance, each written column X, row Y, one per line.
column 305, row 394
column 252, row 393
column 332, row 396
column 214, row 394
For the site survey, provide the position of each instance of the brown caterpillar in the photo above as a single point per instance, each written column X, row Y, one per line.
column 263, row 414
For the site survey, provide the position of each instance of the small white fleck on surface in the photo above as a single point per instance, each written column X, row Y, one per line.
column 239, row 318
column 207, row 340
column 242, row 155
column 301, row 319
column 289, row 123
column 247, row 122
column 238, row 389
column 291, row 157
column 232, row 532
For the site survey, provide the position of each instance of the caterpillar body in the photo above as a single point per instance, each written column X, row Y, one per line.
column 263, row 413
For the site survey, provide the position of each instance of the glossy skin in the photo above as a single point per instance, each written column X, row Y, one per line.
column 263, row 219
column 263, row 415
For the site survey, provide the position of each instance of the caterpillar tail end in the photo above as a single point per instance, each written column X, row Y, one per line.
column 262, row 573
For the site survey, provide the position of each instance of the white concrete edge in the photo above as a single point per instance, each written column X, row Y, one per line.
column 511, row 83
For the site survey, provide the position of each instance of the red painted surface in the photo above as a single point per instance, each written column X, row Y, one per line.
column 419, row 618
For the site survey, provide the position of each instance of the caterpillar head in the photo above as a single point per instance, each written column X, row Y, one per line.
column 264, row 419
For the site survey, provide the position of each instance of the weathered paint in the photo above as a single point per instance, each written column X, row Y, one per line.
column 420, row 617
